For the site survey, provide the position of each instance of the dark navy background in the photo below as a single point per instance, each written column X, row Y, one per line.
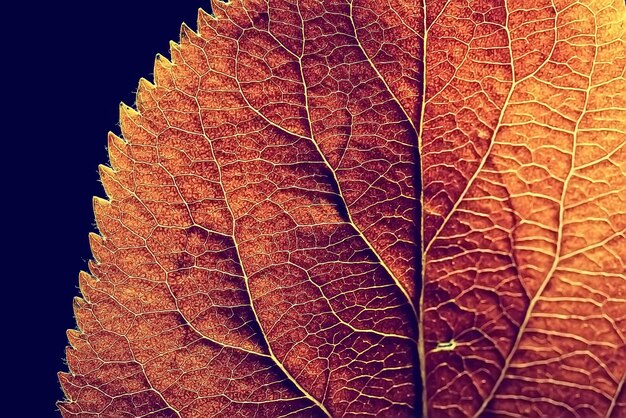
column 65, row 68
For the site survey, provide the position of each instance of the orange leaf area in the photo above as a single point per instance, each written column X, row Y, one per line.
column 350, row 208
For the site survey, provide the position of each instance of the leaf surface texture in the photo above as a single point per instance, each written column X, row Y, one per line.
column 359, row 208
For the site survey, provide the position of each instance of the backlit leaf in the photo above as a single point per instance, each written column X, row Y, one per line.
column 365, row 208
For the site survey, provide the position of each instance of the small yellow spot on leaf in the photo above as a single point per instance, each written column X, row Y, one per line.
column 445, row 346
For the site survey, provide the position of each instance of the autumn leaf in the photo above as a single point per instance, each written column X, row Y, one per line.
column 365, row 208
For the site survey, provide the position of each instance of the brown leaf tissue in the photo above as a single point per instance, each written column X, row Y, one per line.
column 365, row 208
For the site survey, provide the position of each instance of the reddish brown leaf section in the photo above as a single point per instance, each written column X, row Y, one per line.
column 525, row 274
column 357, row 208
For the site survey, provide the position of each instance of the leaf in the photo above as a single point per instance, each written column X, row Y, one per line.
column 365, row 209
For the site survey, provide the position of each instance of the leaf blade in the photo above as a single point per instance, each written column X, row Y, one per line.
column 263, row 219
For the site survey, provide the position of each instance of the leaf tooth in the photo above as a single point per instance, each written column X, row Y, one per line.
column 218, row 9
column 203, row 15
column 92, row 265
column 99, row 251
column 86, row 282
column 102, row 209
column 146, row 84
column 143, row 97
column 188, row 35
column 98, row 247
column 109, row 220
column 176, row 54
column 163, row 61
column 128, row 113
column 73, row 337
column 118, row 156
column 70, row 390
column 163, row 71
column 128, row 110
column 100, row 203
column 174, row 47
column 82, row 313
column 206, row 23
column 135, row 128
column 128, row 121
column 79, row 302
column 111, row 184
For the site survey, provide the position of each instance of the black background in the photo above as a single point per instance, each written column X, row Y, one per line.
column 66, row 67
